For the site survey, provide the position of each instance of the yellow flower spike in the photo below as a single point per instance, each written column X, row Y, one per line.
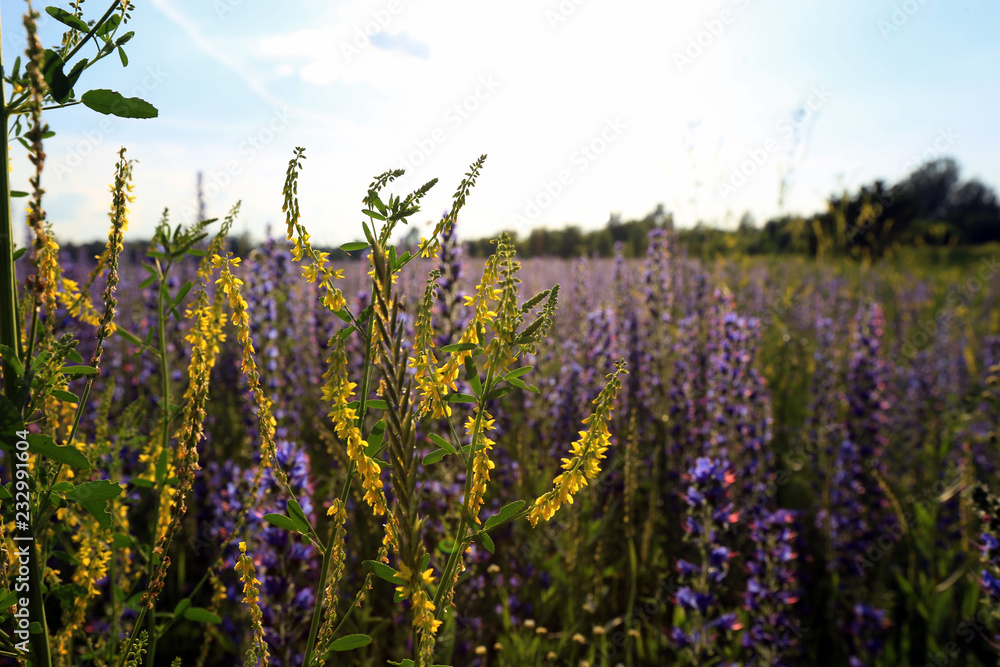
column 251, row 596
column 481, row 463
column 587, row 452
column 339, row 390
column 241, row 319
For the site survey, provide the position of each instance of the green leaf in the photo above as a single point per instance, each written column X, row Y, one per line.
column 461, row 398
column 374, row 443
column 5, row 494
column 110, row 102
column 401, row 262
column 374, row 198
column 442, row 443
column 18, row 193
column 103, row 489
column 487, row 542
column 35, row 628
column 181, row 607
column 281, row 521
column 200, row 615
column 183, row 292
column 447, row 545
column 377, row 403
column 354, row 245
column 74, row 371
column 109, row 26
column 350, row 642
column 383, row 571
column 94, row 497
column 374, row 214
column 435, row 456
column 459, row 347
column 161, row 466
column 504, row 515
column 46, row 446
column 74, row 356
column 298, row 517
column 472, row 373
column 517, row 372
column 10, row 357
column 10, row 422
column 497, row 392
column 60, row 85
column 342, row 314
column 122, row 56
column 63, row 487
column 67, row 18
column 142, row 483
column 130, row 337
column 67, row 396
column 8, row 600
column 518, row 383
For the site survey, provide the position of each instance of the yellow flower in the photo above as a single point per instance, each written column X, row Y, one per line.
column 251, row 596
column 586, row 454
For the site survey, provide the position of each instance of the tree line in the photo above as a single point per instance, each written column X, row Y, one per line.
column 932, row 206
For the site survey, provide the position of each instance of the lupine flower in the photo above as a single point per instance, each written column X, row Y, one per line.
column 772, row 587
column 710, row 512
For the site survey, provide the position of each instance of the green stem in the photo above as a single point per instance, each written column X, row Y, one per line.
column 633, row 581
column 452, row 563
column 164, row 443
column 366, row 378
column 10, row 334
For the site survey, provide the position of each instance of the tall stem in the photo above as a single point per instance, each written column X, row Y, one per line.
column 9, row 329
column 366, row 376
column 161, row 327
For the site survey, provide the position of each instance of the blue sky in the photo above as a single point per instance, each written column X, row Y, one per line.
column 585, row 107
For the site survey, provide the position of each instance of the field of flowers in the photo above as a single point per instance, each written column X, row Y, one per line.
column 755, row 463
column 417, row 458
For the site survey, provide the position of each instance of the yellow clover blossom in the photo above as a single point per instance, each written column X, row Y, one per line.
column 339, row 391
column 251, row 596
column 586, row 454
column 481, row 463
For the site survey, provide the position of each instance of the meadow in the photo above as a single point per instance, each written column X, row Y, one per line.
column 415, row 457
column 792, row 475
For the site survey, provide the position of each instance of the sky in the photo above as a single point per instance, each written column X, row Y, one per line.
column 584, row 107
